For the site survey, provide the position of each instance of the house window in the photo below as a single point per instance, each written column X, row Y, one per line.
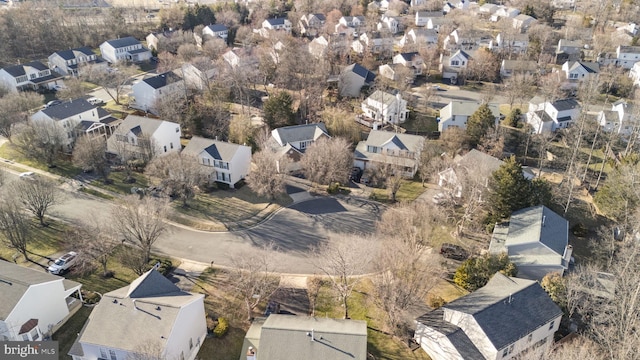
column 171, row 145
column 25, row 337
column 181, row 355
column 112, row 355
column 455, row 62
column 165, row 148
column 35, row 335
column 551, row 325
column 190, row 343
column 177, row 129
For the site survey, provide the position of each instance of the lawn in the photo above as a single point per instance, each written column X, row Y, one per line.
column 64, row 167
column 409, row 191
column 118, row 185
column 421, row 123
column 45, row 241
column 97, row 193
column 68, row 333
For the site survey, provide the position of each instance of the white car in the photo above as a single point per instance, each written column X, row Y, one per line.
column 95, row 101
column 29, row 175
column 63, row 263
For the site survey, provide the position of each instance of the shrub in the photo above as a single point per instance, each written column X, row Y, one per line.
column 436, row 302
column 333, row 188
column 579, row 230
column 222, row 327
column 90, row 297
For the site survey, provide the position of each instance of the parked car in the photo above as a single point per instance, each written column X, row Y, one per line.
column 57, row 87
column 356, row 174
column 63, row 263
column 95, row 101
column 52, row 103
column 29, row 175
column 455, row 252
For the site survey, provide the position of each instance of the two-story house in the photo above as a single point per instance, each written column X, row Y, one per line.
column 124, row 49
column 466, row 40
column 385, row 108
column 159, row 40
column 34, row 303
column 411, row 60
column 383, row 148
column 354, row 22
column 429, row 19
column 149, row 92
column 455, row 4
column 353, row 78
column 623, row 118
column 216, row 30
column 454, row 66
column 457, row 113
column 501, row 320
column 627, row 56
column 332, row 45
column 144, row 138
column 388, row 24
column 312, row 24
column 634, row 73
column 30, row 76
column 374, row 43
column 578, row 71
column 199, row 74
column 545, row 116
column 224, row 162
column 277, row 24
column 69, row 62
column 149, row 318
column 504, row 12
column 299, row 137
column 523, row 22
column 510, row 43
column 77, row 117
column 241, row 58
column 568, row 50
column 419, row 38
column 509, row 68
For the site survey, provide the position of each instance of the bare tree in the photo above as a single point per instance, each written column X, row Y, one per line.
column 178, row 174
column 252, row 278
column 90, row 153
column 14, row 226
column 430, row 161
column 342, row 259
column 41, row 140
column 328, row 161
column 113, row 82
column 38, row 196
column 268, row 174
column 141, row 222
column 340, row 123
column 15, row 108
column 74, row 89
column 314, row 284
column 95, row 245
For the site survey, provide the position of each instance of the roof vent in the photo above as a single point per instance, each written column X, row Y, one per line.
column 115, row 301
column 158, row 308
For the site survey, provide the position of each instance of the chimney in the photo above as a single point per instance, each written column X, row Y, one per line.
column 566, row 258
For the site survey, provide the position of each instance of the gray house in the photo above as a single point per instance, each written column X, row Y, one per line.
column 353, row 78
column 68, row 62
column 286, row 337
column 536, row 240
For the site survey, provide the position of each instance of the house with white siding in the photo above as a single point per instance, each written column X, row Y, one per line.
column 224, row 162
column 216, row 30
column 70, row 62
column 30, row 76
column 124, row 49
column 627, row 56
column 143, row 138
column 389, row 148
column 623, row 118
column 545, row 116
column 147, row 93
column 457, row 113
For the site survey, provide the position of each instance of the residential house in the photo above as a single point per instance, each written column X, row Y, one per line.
column 144, row 138
column 627, row 56
column 455, row 4
column 487, row 10
column 568, row 50
column 501, row 320
column 388, row 24
column 353, row 78
column 30, row 76
column 333, row 46
column 156, row 39
column 199, row 75
column 216, row 30
column 410, row 60
column 510, row 67
column 277, row 24
column 634, row 73
column 466, row 40
column 224, row 162
column 457, row 112
column 68, row 62
column 563, row 4
column 286, row 337
column 454, row 66
column 318, row 47
column 312, row 24
column 374, row 43
column 536, row 240
column 33, row 303
column 150, row 92
column 150, row 318
column 124, row 49
column 545, row 116
column 423, row 18
column 504, row 12
column 355, row 22
column 578, row 71
column 401, row 151
column 384, row 108
column 621, row 119
column 396, row 72
column 416, row 3
column 510, row 43
column 241, row 57
column 419, row 38
column 75, row 118
column 299, row 137
column 523, row 22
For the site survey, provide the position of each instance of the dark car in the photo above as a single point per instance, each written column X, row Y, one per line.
column 455, row 252
column 356, row 174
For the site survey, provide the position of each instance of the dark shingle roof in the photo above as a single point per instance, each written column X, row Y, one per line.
column 367, row 75
column 320, row 17
column 162, row 80
column 217, row 27
column 136, row 130
column 276, row 21
column 18, row 70
column 73, row 53
column 456, row 336
column 68, row 108
column 126, row 41
column 408, row 56
column 565, row 104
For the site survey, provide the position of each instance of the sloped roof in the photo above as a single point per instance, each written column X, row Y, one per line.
column 162, row 80
column 15, row 281
column 74, row 53
column 361, row 71
column 590, row 67
column 290, row 134
column 477, row 158
column 630, row 49
column 507, row 308
column 148, row 126
column 408, row 56
column 457, row 337
column 125, row 41
column 68, row 109
column 462, row 53
column 403, row 141
column 383, row 97
column 519, row 65
column 565, row 104
column 276, row 21
column 217, row 27
column 537, row 227
column 19, row 70
column 219, row 150
column 285, row 337
column 465, row 108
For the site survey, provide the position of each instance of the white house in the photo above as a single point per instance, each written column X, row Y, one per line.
column 621, row 119
column 34, row 304
column 241, row 57
column 157, row 40
column 150, row 318
column 634, row 73
column 411, row 60
column 455, row 4
column 523, row 22
column 384, row 108
column 124, row 49
column 143, row 137
column 30, row 76
column 311, row 24
column 457, row 112
column 421, row 38
column 510, row 43
column 505, row 12
column 454, row 66
column 69, row 62
column 353, row 78
column 216, row 30
column 299, row 137
column 286, row 337
column 510, row 67
column 501, row 320
column 225, row 162
column 77, row 117
column 385, row 147
column 148, row 92
column 199, row 74
column 563, row 4
column 423, row 18
column 536, row 240
column 374, row 42
column 388, row 23
column 545, row 116
column 277, row 24
column 579, row 71
column 355, row 22
column 627, row 56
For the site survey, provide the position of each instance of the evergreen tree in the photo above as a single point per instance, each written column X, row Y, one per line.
column 474, row 273
column 277, row 110
column 479, row 123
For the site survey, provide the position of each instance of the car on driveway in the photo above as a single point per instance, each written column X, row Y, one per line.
column 29, row 175
column 53, row 103
column 63, row 263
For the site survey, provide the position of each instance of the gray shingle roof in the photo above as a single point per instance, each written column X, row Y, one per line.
column 290, row 134
column 540, row 227
column 565, row 104
column 408, row 142
column 276, row 21
column 285, row 337
column 217, row 27
column 408, row 56
column 19, row 70
column 68, row 108
column 367, row 75
column 219, row 150
column 456, row 335
column 147, row 125
column 74, row 53
column 162, row 80
column 125, row 41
